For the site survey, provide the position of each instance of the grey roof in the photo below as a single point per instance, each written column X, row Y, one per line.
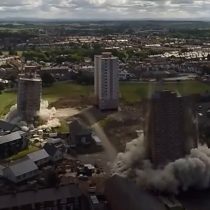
column 22, row 166
column 38, row 155
column 10, row 137
column 21, row 132
column 77, row 128
column 50, row 149
column 39, row 196
column 6, row 126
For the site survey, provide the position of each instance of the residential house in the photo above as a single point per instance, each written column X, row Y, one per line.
column 58, row 72
column 55, row 152
column 12, row 143
column 80, row 135
column 124, row 75
column 40, row 157
column 58, row 142
column 21, row 170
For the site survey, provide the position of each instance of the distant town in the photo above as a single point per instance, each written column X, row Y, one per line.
column 104, row 115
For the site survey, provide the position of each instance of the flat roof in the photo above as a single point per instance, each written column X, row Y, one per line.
column 39, row 196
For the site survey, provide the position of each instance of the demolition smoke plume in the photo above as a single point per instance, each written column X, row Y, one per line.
column 46, row 115
column 193, row 171
column 12, row 115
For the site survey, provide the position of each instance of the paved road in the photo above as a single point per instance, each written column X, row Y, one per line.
column 109, row 148
column 105, row 158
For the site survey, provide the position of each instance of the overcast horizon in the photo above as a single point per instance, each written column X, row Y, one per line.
column 106, row 9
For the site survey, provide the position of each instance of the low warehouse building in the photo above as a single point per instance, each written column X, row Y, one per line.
column 21, row 170
column 40, row 157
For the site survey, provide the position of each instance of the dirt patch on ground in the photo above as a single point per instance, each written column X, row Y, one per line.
column 80, row 102
column 92, row 115
column 64, row 113
column 121, row 127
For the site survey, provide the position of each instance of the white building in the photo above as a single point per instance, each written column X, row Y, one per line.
column 54, row 150
column 106, row 81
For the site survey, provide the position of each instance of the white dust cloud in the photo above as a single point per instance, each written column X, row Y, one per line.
column 47, row 116
column 193, row 171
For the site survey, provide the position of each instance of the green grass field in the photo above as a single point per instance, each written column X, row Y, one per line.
column 129, row 92
column 132, row 92
column 52, row 94
column 66, row 89
column 6, row 101
column 23, row 153
column 64, row 128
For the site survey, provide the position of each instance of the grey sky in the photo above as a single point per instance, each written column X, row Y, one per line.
column 106, row 9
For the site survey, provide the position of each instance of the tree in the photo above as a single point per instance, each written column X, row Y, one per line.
column 47, row 79
column 84, row 78
column 36, row 55
column 1, row 86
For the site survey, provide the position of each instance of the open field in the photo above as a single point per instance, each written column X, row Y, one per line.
column 66, row 90
column 6, row 101
column 52, row 94
column 133, row 92
column 130, row 92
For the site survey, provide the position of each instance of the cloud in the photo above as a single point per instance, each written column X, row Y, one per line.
column 103, row 9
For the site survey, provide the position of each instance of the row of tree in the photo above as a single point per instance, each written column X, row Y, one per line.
column 77, row 55
column 59, row 55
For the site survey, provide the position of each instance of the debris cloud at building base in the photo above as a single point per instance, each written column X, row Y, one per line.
column 192, row 171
